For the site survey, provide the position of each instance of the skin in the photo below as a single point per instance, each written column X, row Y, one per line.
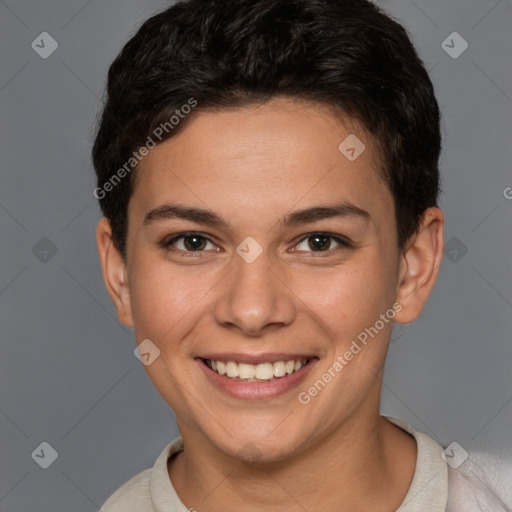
column 252, row 166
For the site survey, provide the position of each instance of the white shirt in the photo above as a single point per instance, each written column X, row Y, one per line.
column 435, row 486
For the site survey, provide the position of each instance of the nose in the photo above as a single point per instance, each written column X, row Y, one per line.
column 253, row 298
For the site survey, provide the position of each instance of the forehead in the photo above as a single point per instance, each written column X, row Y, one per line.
column 264, row 157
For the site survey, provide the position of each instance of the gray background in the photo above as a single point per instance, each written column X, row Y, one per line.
column 68, row 375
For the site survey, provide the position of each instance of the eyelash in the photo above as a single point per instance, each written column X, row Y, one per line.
column 168, row 244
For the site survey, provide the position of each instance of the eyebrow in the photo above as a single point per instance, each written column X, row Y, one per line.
column 304, row 216
column 316, row 213
column 171, row 211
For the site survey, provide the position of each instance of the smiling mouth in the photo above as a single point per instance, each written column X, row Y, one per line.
column 263, row 372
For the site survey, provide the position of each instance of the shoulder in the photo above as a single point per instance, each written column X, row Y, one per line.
column 133, row 495
column 481, row 483
column 150, row 490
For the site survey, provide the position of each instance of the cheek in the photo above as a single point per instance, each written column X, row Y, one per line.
column 348, row 296
column 162, row 300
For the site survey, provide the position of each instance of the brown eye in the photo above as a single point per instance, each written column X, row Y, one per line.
column 322, row 242
column 194, row 243
column 319, row 242
column 189, row 243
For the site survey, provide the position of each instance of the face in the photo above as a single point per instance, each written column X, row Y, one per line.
column 257, row 248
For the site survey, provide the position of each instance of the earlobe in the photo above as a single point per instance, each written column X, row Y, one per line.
column 114, row 272
column 419, row 266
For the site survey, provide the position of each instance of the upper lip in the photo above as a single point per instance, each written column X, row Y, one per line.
column 256, row 358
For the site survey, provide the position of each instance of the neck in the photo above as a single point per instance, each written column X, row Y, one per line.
column 368, row 464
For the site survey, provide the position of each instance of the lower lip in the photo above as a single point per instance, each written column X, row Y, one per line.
column 256, row 390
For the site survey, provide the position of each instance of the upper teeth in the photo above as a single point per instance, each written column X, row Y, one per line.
column 256, row 372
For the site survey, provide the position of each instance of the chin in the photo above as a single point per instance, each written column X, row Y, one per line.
column 255, row 443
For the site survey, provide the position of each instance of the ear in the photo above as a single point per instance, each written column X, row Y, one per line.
column 114, row 272
column 419, row 266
